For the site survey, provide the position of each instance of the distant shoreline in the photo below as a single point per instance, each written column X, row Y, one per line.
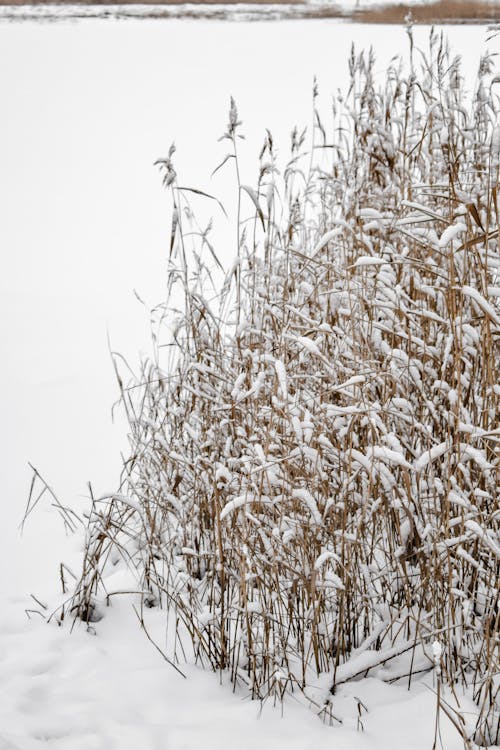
column 437, row 12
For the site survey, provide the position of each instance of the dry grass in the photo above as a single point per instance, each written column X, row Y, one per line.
column 442, row 11
column 312, row 487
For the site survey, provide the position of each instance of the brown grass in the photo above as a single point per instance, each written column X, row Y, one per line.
column 314, row 461
column 454, row 11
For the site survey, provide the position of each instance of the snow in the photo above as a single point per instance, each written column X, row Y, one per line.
column 240, row 502
column 431, row 455
column 391, row 456
column 281, row 374
column 481, row 534
column 481, row 303
column 437, row 651
column 305, row 497
column 90, row 106
column 100, row 692
column 367, row 260
column 451, row 232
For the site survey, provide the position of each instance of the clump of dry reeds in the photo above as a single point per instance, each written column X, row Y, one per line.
column 437, row 11
column 313, row 480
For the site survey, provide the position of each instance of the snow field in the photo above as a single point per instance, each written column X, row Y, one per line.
column 112, row 691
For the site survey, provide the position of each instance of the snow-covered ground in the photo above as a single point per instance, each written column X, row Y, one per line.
column 86, row 109
column 112, row 691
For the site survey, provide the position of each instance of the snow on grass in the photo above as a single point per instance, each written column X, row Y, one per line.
column 332, row 563
column 321, row 462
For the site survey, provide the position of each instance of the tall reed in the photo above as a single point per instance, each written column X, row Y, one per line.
column 312, row 486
